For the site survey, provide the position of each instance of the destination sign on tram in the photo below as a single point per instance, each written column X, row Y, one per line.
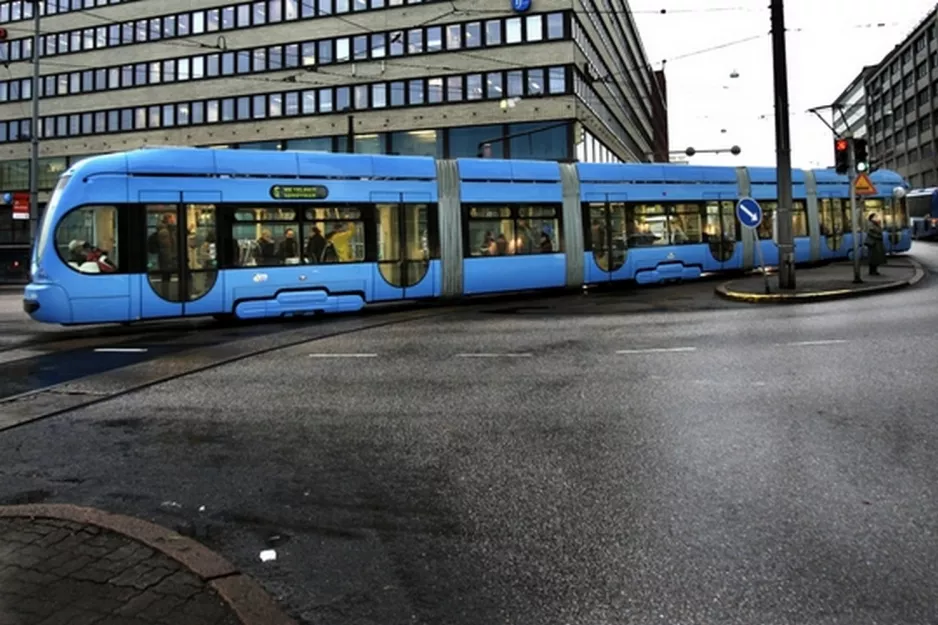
column 301, row 192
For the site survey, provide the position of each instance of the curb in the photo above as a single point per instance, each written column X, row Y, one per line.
column 820, row 296
column 250, row 603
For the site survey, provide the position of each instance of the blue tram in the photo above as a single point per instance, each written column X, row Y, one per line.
column 922, row 205
column 173, row 232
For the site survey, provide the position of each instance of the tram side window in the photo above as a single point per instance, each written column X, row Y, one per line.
column 799, row 217
column 513, row 230
column 333, row 235
column 87, row 239
column 764, row 231
column 721, row 222
column 847, row 215
column 265, row 237
column 902, row 216
column 543, row 228
column 647, row 225
column 831, row 216
column 684, row 224
column 490, row 231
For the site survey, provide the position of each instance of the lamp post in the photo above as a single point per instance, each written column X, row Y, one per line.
column 786, row 241
column 34, row 131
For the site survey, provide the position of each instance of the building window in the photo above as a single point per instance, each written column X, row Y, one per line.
column 374, row 95
column 464, row 142
column 307, row 53
column 318, row 144
column 539, row 141
column 417, row 143
column 12, row 230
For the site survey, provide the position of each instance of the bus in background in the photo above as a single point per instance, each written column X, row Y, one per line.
column 922, row 207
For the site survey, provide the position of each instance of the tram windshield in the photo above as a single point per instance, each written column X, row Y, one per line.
column 47, row 225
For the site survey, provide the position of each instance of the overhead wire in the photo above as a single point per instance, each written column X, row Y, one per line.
column 301, row 75
column 303, row 4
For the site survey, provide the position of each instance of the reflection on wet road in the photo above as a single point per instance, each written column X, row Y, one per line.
column 769, row 465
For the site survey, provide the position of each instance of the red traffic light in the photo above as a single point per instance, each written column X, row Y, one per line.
column 841, row 145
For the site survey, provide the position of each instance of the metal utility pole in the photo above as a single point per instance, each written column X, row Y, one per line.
column 34, row 133
column 855, row 221
column 786, row 243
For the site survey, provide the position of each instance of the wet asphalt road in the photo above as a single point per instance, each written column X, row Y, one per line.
column 580, row 464
column 41, row 358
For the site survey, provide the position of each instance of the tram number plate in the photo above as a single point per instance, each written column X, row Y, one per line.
column 305, row 192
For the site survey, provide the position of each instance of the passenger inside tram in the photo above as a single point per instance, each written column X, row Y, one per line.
column 315, row 245
column 289, row 252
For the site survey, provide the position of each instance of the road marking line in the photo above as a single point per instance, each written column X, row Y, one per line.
column 121, row 350
column 343, row 355
column 657, row 350
column 810, row 343
column 15, row 355
column 523, row 355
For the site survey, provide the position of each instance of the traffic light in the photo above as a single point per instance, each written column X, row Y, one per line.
column 842, row 156
column 861, row 158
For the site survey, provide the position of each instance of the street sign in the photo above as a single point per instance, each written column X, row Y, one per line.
column 863, row 185
column 21, row 206
column 749, row 213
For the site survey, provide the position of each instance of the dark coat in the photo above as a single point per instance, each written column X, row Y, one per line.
column 874, row 241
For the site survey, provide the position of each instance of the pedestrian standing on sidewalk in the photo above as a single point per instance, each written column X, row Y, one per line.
column 874, row 241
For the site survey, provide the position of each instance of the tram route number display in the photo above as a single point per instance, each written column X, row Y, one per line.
column 305, row 192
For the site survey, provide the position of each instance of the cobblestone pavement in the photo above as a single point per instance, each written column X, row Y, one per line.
column 62, row 573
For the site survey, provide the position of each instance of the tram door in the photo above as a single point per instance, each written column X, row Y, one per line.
column 609, row 236
column 720, row 230
column 182, row 260
column 403, row 227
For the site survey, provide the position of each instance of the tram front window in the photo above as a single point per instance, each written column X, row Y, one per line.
column 47, row 223
column 882, row 208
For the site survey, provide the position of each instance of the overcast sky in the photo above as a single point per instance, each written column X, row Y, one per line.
column 829, row 41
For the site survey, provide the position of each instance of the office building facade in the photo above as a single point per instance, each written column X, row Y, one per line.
column 902, row 106
column 544, row 79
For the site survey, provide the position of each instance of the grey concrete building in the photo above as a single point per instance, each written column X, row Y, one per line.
column 550, row 79
column 902, row 106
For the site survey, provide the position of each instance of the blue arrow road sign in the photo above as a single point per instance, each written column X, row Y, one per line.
column 749, row 213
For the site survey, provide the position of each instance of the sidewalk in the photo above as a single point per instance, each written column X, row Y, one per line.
column 65, row 565
column 828, row 282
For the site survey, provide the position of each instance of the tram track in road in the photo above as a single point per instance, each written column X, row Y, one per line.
column 66, row 338
column 26, row 370
column 131, row 371
column 93, row 367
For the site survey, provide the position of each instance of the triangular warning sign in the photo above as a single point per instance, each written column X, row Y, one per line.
column 863, row 185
